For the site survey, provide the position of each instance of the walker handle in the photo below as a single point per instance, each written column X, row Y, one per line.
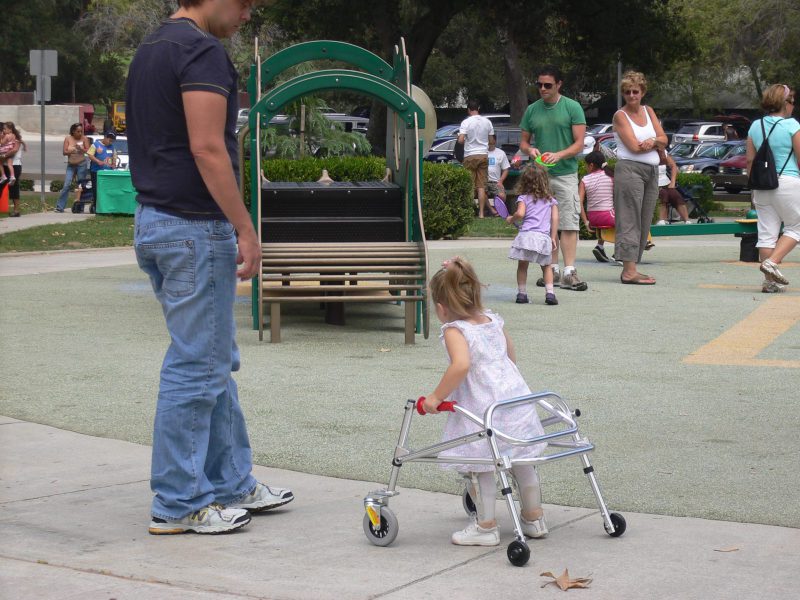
column 449, row 406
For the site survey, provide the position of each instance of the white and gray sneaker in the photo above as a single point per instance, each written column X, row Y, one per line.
column 770, row 269
column 264, row 498
column 772, row 287
column 475, row 535
column 212, row 519
column 534, row 529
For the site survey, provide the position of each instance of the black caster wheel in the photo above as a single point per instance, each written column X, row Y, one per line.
column 518, row 553
column 387, row 532
column 75, row 208
column 469, row 504
column 91, row 209
column 618, row 521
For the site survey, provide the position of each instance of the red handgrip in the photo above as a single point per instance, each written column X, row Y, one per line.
column 444, row 406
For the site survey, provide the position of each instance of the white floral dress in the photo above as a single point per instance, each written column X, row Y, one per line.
column 492, row 377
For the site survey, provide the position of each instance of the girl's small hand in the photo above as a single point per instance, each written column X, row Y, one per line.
column 510, row 219
column 554, row 241
column 431, row 404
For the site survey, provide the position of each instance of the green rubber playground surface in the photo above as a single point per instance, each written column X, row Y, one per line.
column 717, row 439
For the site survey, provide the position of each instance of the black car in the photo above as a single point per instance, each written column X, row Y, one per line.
column 708, row 157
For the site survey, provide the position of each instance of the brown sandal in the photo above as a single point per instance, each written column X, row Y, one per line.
column 638, row 279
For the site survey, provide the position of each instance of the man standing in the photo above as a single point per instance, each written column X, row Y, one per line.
column 474, row 134
column 182, row 105
column 558, row 125
column 102, row 156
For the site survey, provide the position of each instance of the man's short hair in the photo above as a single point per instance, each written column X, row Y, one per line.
column 551, row 70
column 473, row 105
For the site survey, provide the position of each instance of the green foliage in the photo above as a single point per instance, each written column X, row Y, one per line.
column 26, row 185
column 340, row 168
column 704, row 186
column 347, row 168
column 56, row 185
column 448, row 205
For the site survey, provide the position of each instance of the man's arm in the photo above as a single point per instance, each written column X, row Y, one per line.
column 205, row 121
column 575, row 148
column 525, row 144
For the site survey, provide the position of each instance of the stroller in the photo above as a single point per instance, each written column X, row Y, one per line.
column 84, row 194
column 693, row 205
column 562, row 439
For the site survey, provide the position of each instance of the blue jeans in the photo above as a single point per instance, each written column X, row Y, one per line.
column 201, row 451
column 73, row 171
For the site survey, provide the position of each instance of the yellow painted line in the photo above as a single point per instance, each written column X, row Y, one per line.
column 741, row 344
column 754, row 265
column 746, row 288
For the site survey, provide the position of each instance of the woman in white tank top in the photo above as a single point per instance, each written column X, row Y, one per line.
column 639, row 137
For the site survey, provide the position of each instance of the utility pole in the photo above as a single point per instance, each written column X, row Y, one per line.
column 44, row 65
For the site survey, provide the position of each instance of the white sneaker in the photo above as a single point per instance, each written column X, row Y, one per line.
column 264, row 498
column 475, row 535
column 770, row 269
column 534, row 529
column 211, row 519
column 662, row 222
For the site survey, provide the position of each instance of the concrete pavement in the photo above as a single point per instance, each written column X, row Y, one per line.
column 74, row 527
column 674, row 439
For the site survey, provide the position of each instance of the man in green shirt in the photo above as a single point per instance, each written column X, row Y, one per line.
column 557, row 124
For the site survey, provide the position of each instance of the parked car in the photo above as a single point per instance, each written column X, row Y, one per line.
column 121, row 148
column 446, row 131
column 242, row 117
column 442, row 150
column 606, row 144
column 700, row 131
column 599, row 129
column 709, row 156
column 687, row 149
column 732, row 174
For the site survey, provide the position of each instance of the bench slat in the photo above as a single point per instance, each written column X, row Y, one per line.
column 382, row 298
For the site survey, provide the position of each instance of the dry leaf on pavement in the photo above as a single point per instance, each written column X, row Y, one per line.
column 727, row 549
column 564, row 582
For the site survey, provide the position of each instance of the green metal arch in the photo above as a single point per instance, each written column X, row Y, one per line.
column 321, row 50
column 337, row 79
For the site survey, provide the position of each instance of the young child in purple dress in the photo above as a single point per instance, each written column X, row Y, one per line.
column 482, row 371
column 537, row 237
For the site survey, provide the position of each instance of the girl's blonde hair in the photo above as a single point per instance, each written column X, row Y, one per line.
column 633, row 79
column 774, row 97
column 457, row 287
column 534, row 182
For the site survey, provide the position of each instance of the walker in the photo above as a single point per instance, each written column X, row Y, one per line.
column 560, row 434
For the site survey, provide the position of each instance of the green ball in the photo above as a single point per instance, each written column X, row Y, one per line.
column 752, row 214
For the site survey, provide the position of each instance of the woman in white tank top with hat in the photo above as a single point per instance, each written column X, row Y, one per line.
column 639, row 136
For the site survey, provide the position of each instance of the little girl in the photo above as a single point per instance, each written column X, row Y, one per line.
column 482, row 371
column 537, row 237
column 596, row 191
column 8, row 141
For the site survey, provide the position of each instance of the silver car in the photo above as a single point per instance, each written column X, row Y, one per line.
column 699, row 131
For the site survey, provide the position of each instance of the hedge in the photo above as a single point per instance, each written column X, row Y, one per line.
column 447, row 197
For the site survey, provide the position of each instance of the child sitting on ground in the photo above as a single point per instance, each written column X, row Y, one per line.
column 536, row 240
column 482, row 371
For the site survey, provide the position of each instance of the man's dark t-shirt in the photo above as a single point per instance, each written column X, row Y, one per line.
column 177, row 57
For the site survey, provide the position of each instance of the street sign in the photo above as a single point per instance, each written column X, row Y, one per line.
column 44, row 62
column 42, row 89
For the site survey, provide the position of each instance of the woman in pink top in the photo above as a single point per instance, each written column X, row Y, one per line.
column 536, row 240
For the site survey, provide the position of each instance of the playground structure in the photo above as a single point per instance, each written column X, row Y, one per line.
column 341, row 242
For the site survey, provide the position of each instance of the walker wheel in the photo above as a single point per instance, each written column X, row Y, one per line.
column 388, row 529
column 618, row 521
column 469, row 503
column 518, row 553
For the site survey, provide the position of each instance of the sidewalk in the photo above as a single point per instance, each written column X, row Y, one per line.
column 76, row 516
column 40, row 218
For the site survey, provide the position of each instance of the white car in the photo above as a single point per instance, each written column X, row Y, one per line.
column 121, row 148
column 699, row 131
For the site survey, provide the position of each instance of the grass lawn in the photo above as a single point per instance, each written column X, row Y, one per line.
column 102, row 231
column 490, row 227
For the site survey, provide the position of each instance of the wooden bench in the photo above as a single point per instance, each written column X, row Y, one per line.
column 304, row 261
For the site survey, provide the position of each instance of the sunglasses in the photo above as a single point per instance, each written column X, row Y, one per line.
column 544, row 84
column 632, row 92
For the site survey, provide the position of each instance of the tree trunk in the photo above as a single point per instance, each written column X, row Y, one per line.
column 756, row 81
column 515, row 82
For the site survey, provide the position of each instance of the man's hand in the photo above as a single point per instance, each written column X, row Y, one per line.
column 249, row 255
column 551, row 158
